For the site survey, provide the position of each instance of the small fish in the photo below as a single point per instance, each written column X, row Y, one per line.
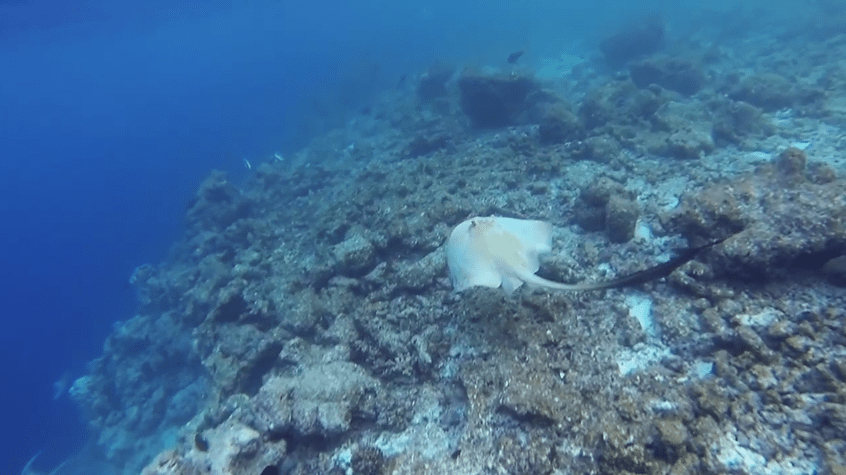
column 513, row 57
column 247, row 164
column 278, row 156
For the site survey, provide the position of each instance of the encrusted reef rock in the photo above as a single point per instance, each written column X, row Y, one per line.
column 148, row 381
column 558, row 124
column 593, row 199
column 433, row 83
column 368, row 460
column 769, row 91
column 217, row 204
column 680, row 130
column 776, row 219
column 420, row 274
column 321, row 402
column 231, row 448
column 355, row 255
column 620, row 218
column 676, row 74
column 689, row 142
column 619, row 103
column 650, row 121
column 772, row 91
column 735, row 122
column 427, row 143
column 635, row 41
column 605, row 205
column 495, row 100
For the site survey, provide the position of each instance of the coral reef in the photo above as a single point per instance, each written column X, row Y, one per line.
column 432, row 84
column 495, row 100
column 634, row 41
column 676, row 74
column 305, row 323
column 559, row 125
column 772, row 91
column 778, row 220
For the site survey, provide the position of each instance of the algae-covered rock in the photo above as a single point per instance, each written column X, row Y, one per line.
column 635, row 41
column 774, row 222
column 422, row 273
column 320, row 401
column 355, row 255
column 676, row 74
column 618, row 102
column 591, row 213
column 791, row 161
column 603, row 148
column 432, row 84
column 368, row 460
column 496, row 100
column 559, row 125
column 672, row 432
column 229, row 449
column 737, row 121
column 772, row 91
column 217, row 204
column 688, row 143
column 620, row 218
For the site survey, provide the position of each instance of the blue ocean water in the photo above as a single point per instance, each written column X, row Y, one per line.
column 111, row 113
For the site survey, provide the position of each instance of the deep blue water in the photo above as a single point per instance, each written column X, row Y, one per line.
column 112, row 112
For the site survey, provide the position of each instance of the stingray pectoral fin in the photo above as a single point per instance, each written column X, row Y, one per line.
column 537, row 281
column 511, row 283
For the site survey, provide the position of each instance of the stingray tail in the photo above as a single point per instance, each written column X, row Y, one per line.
column 661, row 270
column 653, row 273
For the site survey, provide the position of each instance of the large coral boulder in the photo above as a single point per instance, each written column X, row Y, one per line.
column 676, row 74
column 216, row 205
column 771, row 92
column 636, row 41
column 496, row 100
column 778, row 219
column 558, row 124
column 230, row 449
column 433, row 83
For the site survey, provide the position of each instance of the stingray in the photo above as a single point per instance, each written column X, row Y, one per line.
column 505, row 252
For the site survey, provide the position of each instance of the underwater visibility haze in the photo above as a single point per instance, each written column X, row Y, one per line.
column 383, row 237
